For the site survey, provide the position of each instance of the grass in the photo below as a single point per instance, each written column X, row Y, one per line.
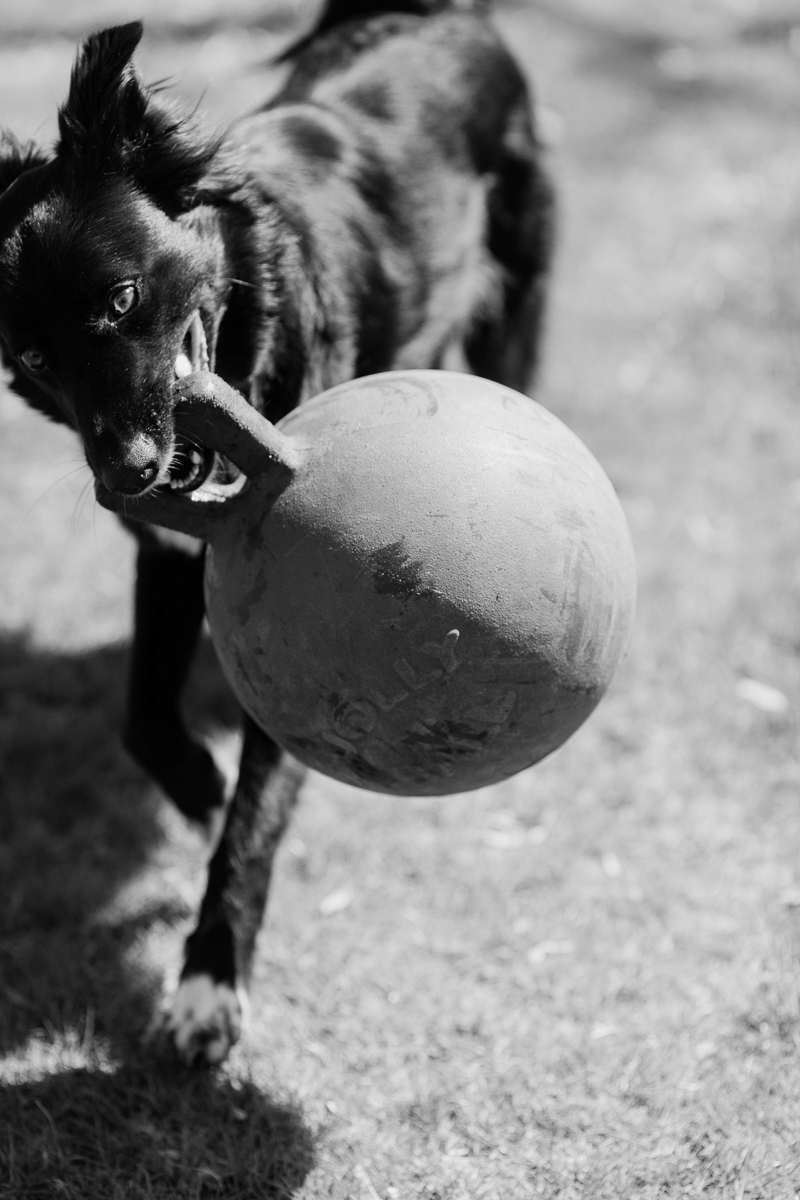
column 582, row 983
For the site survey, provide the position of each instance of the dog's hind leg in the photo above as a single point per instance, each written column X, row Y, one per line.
column 506, row 348
column 504, row 344
column 210, row 1005
column 168, row 614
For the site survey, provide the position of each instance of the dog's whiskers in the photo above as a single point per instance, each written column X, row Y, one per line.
column 67, row 475
column 79, row 459
column 188, row 438
column 86, row 491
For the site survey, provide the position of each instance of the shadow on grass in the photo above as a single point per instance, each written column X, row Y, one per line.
column 149, row 1131
column 77, row 823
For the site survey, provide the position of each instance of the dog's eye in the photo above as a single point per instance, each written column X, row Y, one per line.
column 122, row 300
column 34, row 360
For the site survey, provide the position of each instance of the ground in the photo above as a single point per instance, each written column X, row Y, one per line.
column 582, row 983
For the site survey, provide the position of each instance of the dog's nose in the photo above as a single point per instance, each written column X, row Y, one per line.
column 132, row 471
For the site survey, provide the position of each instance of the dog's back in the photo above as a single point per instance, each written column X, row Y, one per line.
column 402, row 148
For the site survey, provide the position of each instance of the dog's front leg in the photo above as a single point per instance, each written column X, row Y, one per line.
column 210, row 1004
column 167, row 619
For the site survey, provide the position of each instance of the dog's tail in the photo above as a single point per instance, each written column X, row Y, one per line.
column 337, row 12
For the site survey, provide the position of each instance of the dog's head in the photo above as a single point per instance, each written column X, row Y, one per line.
column 112, row 272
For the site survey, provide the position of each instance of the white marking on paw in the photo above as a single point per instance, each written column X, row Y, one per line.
column 206, row 1019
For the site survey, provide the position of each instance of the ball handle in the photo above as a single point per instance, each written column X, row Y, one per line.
column 211, row 413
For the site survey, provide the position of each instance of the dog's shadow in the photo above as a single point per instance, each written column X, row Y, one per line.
column 86, row 1108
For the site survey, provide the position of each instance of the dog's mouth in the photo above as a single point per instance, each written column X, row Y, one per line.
column 192, row 465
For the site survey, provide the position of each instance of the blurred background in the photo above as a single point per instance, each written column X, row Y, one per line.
column 583, row 982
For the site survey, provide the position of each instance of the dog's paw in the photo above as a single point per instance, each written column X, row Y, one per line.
column 206, row 1019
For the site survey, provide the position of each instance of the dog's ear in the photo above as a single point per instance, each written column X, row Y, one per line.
column 27, row 389
column 106, row 102
column 111, row 120
column 16, row 158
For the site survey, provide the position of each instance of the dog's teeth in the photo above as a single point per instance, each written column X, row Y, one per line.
column 199, row 344
column 183, row 366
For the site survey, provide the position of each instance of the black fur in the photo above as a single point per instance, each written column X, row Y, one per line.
column 386, row 209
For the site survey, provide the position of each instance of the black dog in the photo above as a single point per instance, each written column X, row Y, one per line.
column 387, row 209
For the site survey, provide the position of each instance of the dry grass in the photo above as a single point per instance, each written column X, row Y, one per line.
column 580, row 984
